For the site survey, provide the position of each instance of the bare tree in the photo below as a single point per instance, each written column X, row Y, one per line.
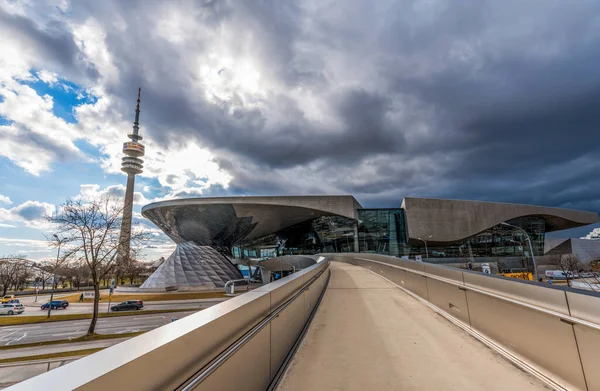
column 133, row 270
column 14, row 270
column 569, row 264
column 91, row 230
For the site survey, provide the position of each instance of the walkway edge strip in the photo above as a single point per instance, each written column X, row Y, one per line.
column 288, row 359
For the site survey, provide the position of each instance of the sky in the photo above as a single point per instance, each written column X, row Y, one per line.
column 478, row 100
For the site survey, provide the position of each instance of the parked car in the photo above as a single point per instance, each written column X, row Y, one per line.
column 128, row 305
column 11, row 308
column 8, row 298
column 55, row 304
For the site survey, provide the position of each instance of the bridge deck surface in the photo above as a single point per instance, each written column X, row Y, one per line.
column 368, row 335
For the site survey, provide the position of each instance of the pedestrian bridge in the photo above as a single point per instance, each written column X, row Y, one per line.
column 362, row 321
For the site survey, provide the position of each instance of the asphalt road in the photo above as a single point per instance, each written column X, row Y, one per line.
column 13, row 335
column 33, row 309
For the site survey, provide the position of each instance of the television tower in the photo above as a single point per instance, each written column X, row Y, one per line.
column 132, row 165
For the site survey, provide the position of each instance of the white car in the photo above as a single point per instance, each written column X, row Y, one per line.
column 11, row 308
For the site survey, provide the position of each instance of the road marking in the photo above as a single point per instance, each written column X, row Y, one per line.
column 149, row 317
column 32, row 327
column 58, row 335
column 17, row 339
column 9, row 334
column 7, row 328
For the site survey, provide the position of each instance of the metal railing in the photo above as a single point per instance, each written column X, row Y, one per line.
column 232, row 284
column 205, row 373
column 552, row 332
column 241, row 343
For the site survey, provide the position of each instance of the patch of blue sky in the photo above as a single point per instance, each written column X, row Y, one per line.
column 88, row 149
column 65, row 94
column 194, row 182
column 152, row 185
column 54, row 186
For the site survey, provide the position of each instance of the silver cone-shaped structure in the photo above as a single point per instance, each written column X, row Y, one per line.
column 193, row 266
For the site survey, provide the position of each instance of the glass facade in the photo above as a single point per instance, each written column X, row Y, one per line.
column 382, row 231
column 334, row 234
column 499, row 241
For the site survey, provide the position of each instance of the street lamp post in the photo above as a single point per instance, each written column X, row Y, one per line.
column 425, row 241
column 54, row 276
column 535, row 272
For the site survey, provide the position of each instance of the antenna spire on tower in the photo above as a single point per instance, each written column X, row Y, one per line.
column 136, row 123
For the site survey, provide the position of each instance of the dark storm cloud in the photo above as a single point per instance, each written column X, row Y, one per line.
column 476, row 100
column 53, row 44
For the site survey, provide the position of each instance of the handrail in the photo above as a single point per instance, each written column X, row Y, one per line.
column 228, row 283
column 224, row 356
column 563, row 317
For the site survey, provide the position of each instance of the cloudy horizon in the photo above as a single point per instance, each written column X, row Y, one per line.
column 478, row 100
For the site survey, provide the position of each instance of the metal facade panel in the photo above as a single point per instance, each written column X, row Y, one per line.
column 191, row 266
column 528, row 292
column 454, row 220
column 584, row 305
column 541, row 339
column 588, row 340
column 243, row 371
column 449, row 298
column 285, row 330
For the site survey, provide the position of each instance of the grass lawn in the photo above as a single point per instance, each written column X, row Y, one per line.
column 117, row 298
column 95, row 337
column 15, row 320
column 74, row 353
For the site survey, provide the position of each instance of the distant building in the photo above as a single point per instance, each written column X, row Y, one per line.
column 588, row 251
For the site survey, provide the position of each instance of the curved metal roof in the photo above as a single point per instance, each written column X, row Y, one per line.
column 455, row 220
column 226, row 220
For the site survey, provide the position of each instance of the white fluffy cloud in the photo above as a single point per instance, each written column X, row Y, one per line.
column 90, row 192
column 47, row 77
column 5, row 200
column 34, row 137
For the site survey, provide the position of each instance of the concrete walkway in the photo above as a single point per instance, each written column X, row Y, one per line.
column 369, row 335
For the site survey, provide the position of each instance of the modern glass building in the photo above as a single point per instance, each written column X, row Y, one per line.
column 434, row 230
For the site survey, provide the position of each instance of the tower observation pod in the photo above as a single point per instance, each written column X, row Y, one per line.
column 133, row 150
column 132, row 165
